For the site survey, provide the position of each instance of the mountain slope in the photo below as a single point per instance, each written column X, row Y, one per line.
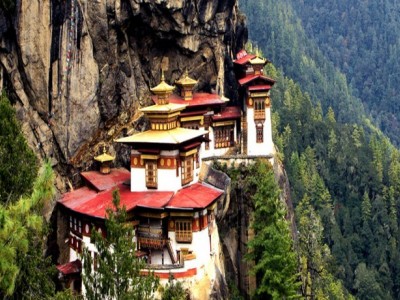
column 362, row 39
column 339, row 166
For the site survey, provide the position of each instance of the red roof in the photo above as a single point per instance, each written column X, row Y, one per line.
column 229, row 113
column 253, row 77
column 264, row 87
column 195, row 196
column 70, row 268
column 199, row 99
column 245, row 59
column 102, row 182
column 193, row 113
column 88, row 202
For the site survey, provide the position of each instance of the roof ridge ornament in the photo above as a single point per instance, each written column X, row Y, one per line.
column 105, row 159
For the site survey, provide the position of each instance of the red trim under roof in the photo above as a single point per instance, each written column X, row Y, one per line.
column 265, row 87
column 199, row 99
column 72, row 267
column 149, row 151
column 252, row 77
column 229, row 113
column 193, row 113
column 90, row 203
column 245, row 59
column 102, row 182
column 191, row 146
column 195, row 196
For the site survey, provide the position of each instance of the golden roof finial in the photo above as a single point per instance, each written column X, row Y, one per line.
column 162, row 75
column 105, row 156
column 162, row 87
column 185, row 80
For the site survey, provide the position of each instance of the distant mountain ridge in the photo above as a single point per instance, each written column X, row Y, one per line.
column 342, row 64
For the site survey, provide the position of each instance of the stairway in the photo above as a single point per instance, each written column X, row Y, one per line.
column 171, row 252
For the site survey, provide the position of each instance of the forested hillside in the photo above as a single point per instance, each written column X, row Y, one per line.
column 344, row 174
column 362, row 39
column 328, row 46
column 346, row 189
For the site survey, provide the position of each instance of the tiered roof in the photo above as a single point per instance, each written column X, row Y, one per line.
column 94, row 203
column 174, row 136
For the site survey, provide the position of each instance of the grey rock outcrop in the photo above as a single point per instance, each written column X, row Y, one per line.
column 78, row 70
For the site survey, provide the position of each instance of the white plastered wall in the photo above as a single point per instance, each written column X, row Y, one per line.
column 254, row 148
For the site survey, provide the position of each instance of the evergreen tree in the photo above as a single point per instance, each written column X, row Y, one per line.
column 114, row 272
column 174, row 290
column 315, row 257
column 272, row 246
column 18, row 167
column 22, row 265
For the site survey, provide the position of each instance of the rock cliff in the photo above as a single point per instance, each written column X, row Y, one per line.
column 78, row 70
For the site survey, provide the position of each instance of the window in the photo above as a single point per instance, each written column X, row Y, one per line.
column 187, row 169
column 224, row 137
column 191, row 125
column 183, row 231
column 75, row 225
column 259, row 109
column 151, row 173
column 260, row 132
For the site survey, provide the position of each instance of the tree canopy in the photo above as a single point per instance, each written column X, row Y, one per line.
column 271, row 248
column 18, row 166
column 114, row 271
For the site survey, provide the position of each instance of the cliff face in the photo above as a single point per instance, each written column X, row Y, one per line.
column 78, row 70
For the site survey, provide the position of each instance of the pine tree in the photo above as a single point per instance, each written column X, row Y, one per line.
column 271, row 249
column 21, row 233
column 174, row 290
column 18, row 167
column 117, row 273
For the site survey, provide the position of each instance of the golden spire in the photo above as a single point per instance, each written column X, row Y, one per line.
column 185, row 80
column 162, row 87
column 163, row 90
column 104, row 157
column 162, row 75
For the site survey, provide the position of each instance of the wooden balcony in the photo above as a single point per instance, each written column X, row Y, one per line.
column 259, row 115
column 151, row 242
column 184, row 236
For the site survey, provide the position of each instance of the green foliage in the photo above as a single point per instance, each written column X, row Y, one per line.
column 315, row 256
column 360, row 38
column 282, row 38
column 118, row 274
column 272, row 246
column 24, row 273
column 350, row 179
column 366, row 284
column 174, row 290
column 335, row 158
column 18, row 167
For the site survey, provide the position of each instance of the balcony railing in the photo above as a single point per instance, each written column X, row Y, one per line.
column 151, row 242
column 184, row 236
column 259, row 115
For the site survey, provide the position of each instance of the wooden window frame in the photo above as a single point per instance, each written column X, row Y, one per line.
column 224, row 136
column 184, row 230
column 259, row 133
column 151, row 173
column 259, row 109
column 187, row 169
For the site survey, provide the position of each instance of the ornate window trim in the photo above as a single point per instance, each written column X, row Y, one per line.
column 187, row 169
column 151, row 173
column 183, row 230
